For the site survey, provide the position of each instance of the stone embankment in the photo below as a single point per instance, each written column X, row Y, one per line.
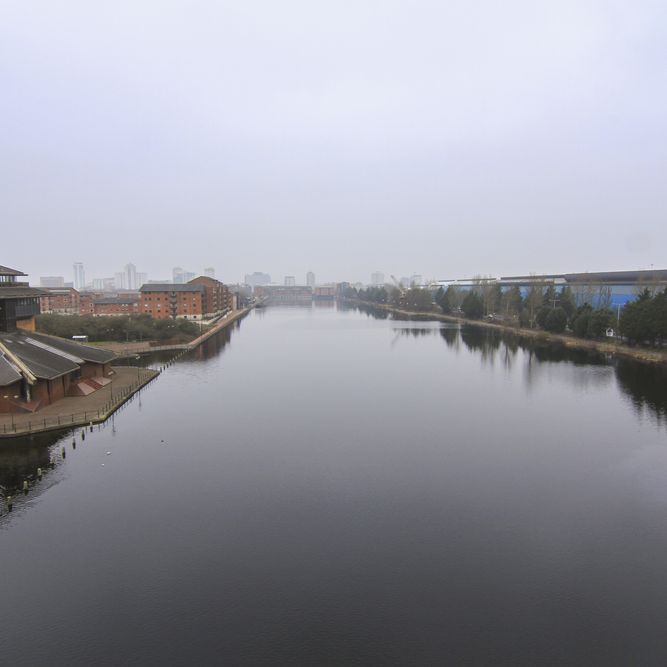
column 76, row 411
column 124, row 350
column 617, row 348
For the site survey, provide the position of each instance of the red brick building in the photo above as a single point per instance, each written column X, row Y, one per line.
column 37, row 370
column 87, row 302
column 217, row 297
column 116, row 305
column 60, row 300
column 164, row 300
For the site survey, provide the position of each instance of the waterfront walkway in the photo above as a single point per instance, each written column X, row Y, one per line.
column 80, row 410
column 101, row 404
column 123, row 350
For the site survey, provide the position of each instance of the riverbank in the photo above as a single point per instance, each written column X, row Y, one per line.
column 73, row 411
column 124, row 350
column 224, row 322
column 646, row 355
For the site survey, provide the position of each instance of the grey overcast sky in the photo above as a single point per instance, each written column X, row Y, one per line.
column 445, row 138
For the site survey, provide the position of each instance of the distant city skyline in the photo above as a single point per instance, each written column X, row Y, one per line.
column 93, row 276
column 508, row 139
column 129, row 278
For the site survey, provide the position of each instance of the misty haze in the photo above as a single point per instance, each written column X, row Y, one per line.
column 333, row 333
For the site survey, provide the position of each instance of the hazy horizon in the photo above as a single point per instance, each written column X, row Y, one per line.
column 339, row 138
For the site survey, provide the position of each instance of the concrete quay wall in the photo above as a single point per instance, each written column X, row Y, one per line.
column 74, row 411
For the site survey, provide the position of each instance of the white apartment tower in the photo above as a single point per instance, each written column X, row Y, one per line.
column 79, row 276
column 131, row 276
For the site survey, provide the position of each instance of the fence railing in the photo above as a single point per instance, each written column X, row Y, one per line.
column 15, row 424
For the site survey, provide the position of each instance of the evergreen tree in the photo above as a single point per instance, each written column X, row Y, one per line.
column 473, row 306
column 639, row 321
column 581, row 320
column 599, row 321
column 567, row 302
column 556, row 320
column 454, row 298
column 542, row 315
column 418, row 299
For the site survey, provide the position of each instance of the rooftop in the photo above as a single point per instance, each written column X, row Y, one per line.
column 86, row 352
column 6, row 271
column 648, row 276
column 171, row 287
column 47, row 357
column 8, row 373
column 41, row 362
column 20, row 292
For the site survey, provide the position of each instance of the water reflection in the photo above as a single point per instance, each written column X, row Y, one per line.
column 450, row 335
column 415, row 332
column 644, row 384
column 20, row 458
column 369, row 311
column 216, row 344
column 319, row 497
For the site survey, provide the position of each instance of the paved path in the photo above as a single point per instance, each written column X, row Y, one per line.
column 80, row 410
column 225, row 321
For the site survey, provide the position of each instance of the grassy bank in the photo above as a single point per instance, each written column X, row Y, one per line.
column 644, row 354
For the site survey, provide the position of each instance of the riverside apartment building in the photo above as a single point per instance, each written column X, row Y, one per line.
column 199, row 299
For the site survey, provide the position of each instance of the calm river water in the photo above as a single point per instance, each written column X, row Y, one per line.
column 321, row 486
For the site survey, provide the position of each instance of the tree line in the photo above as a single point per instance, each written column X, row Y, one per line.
column 643, row 320
column 120, row 328
column 413, row 299
column 544, row 308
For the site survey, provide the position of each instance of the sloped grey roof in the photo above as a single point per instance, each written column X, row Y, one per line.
column 170, row 287
column 8, row 374
column 6, row 271
column 42, row 363
column 49, row 357
column 20, row 292
column 86, row 352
